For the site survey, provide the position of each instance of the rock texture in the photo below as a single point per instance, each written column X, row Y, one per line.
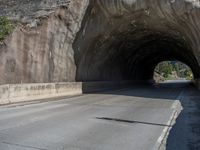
column 117, row 39
column 126, row 39
column 28, row 10
column 41, row 50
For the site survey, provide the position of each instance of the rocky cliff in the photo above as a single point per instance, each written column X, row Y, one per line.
column 40, row 48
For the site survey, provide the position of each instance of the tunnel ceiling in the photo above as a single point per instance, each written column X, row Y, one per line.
column 126, row 39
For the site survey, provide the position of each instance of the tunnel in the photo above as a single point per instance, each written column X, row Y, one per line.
column 125, row 40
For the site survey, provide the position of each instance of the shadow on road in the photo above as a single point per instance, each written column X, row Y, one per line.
column 169, row 91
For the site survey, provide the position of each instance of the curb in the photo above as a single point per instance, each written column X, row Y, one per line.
column 177, row 108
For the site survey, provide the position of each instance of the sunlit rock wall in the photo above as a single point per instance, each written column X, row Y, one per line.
column 40, row 48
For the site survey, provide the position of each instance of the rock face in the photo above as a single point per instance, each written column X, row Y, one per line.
column 41, row 50
column 117, row 39
column 27, row 10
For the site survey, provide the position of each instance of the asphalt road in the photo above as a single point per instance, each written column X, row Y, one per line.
column 128, row 119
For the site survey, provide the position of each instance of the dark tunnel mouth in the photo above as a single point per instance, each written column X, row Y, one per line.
column 144, row 61
column 160, row 50
column 133, row 56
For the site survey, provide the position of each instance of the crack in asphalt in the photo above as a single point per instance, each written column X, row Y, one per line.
column 131, row 121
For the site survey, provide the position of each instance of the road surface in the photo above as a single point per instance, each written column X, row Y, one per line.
column 128, row 119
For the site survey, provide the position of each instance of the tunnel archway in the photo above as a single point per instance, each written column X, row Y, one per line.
column 119, row 58
column 118, row 42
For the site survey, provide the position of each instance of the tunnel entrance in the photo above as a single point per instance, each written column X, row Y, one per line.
column 172, row 71
column 125, row 44
column 133, row 56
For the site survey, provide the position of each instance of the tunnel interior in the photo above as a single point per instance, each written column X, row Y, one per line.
column 125, row 60
column 129, row 46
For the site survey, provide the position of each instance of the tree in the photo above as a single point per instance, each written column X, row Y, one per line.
column 6, row 27
column 167, row 68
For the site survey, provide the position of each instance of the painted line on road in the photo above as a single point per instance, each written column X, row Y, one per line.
column 177, row 108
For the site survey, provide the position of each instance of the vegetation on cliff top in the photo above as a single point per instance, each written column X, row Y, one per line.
column 6, row 27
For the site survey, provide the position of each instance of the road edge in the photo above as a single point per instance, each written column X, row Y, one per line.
column 177, row 108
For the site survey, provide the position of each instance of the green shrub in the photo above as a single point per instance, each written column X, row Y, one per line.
column 6, row 27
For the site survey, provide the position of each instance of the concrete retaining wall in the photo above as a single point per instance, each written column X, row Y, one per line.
column 27, row 92
column 12, row 93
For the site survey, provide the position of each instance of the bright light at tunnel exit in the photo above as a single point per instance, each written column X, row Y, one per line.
column 172, row 71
